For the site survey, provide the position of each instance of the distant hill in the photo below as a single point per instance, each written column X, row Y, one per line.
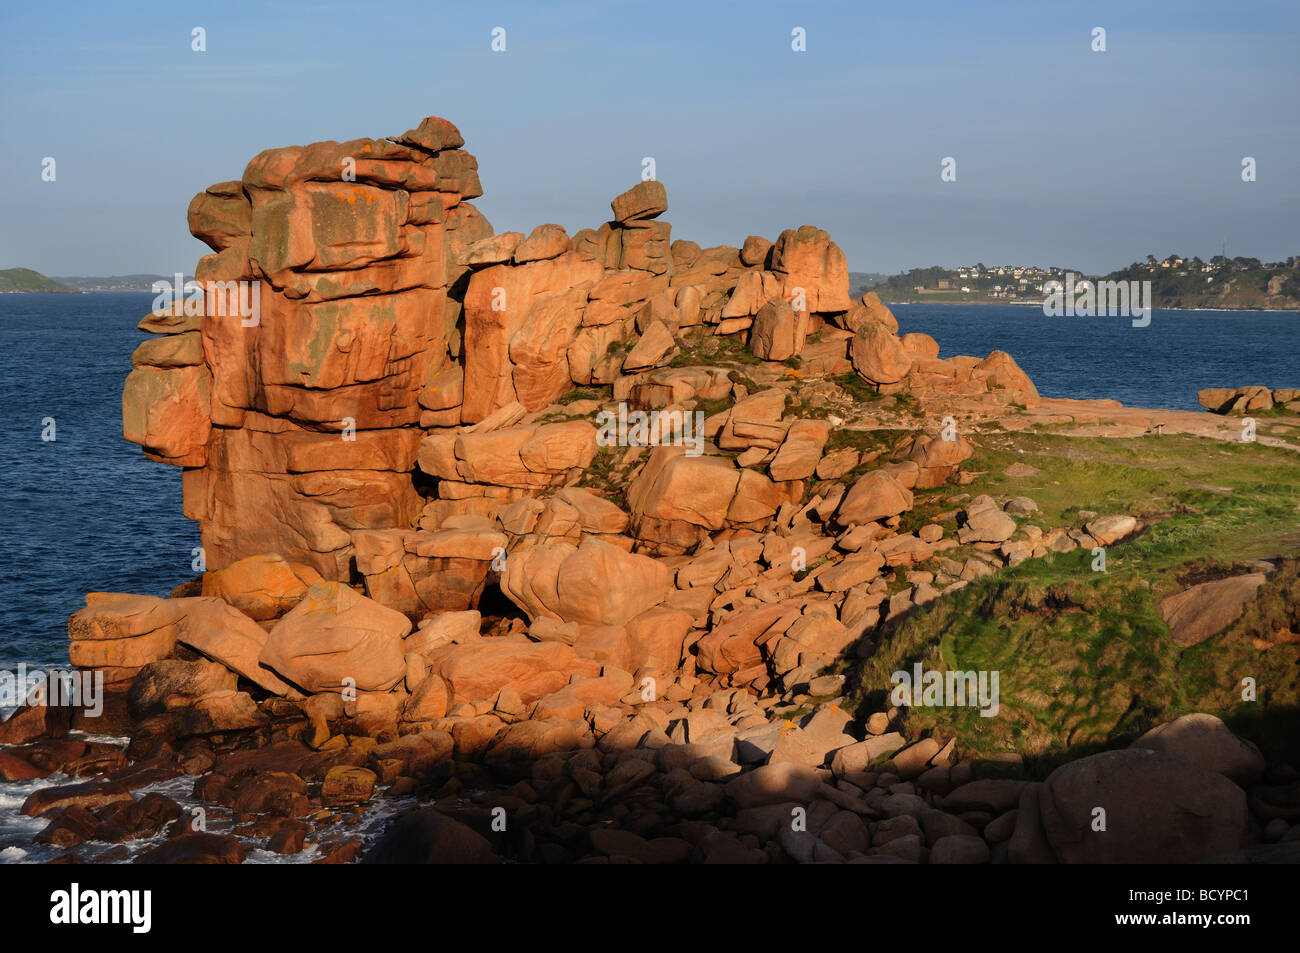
column 20, row 280
column 1220, row 283
column 115, row 282
column 860, row 281
column 968, row 284
column 1176, row 282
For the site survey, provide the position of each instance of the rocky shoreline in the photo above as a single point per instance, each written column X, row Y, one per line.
column 1241, row 400
column 579, row 548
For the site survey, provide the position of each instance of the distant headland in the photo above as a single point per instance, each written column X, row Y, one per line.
column 1222, row 283
column 24, row 280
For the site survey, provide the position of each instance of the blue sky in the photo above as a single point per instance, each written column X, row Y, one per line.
column 1064, row 156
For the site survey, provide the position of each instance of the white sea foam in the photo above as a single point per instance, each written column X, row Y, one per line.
column 17, row 829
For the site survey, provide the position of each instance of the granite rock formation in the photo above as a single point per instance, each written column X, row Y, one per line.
column 424, row 549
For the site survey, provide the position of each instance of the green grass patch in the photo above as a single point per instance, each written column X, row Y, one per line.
column 585, row 393
column 1084, row 658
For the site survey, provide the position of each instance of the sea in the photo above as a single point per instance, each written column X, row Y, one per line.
column 82, row 510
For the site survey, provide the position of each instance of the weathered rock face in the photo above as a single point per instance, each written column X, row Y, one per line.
column 869, row 310
column 355, row 297
column 809, row 262
column 677, row 500
column 419, row 572
column 777, row 333
column 325, row 315
column 168, row 410
column 519, row 323
column 119, row 634
column 530, row 456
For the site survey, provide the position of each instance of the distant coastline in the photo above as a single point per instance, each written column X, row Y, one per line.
column 1038, row 304
column 980, row 302
column 1174, row 283
column 27, row 281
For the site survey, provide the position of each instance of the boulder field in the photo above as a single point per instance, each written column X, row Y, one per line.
column 1244, row 400
column 430, row 574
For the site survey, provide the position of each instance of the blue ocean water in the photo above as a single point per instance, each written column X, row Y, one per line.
column 1161, row 365
column 88, row 512
column 85, row 512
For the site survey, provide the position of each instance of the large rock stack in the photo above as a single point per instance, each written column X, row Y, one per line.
column 299, row 430
column 395, row 416
column 361, row 251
